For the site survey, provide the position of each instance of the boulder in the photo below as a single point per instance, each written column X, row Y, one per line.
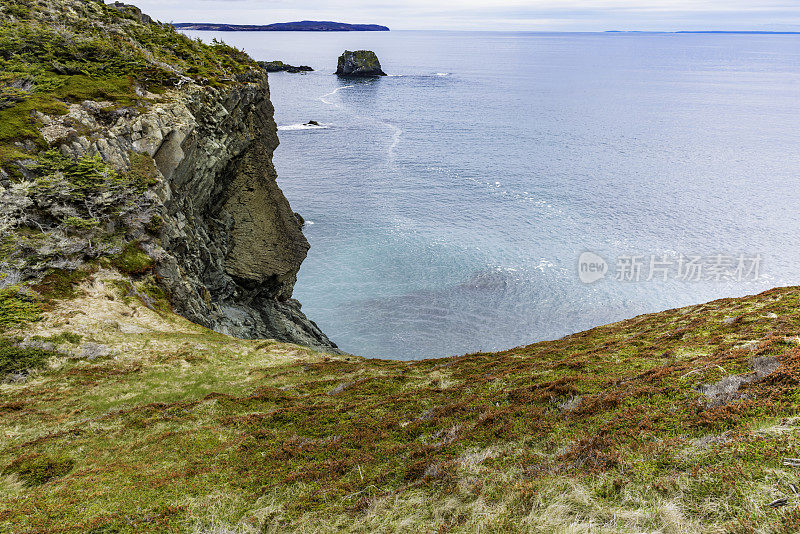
column 359, row 63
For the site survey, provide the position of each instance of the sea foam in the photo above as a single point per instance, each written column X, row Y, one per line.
column 293, row 127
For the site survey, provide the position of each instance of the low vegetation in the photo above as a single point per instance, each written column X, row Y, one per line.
column 177, row 428
column 55, row 53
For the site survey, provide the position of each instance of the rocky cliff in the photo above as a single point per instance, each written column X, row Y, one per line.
column 230, row 246
column 219, row 236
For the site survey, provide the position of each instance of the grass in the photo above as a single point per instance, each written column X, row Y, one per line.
column 18, row 123
column 183, row 429
column 117, row 89
column 61, row 284
column 139, row 421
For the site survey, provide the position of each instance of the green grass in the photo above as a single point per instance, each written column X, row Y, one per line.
column 18, row 123
column 37, row 470
column 117, row 89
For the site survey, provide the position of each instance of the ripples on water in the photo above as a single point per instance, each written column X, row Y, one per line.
column 450, row 200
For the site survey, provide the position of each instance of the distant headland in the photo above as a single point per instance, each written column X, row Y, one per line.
column 302, row 26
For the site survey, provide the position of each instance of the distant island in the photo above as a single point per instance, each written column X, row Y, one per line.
column 302, row 26
column 735, row 32
column 752, row 32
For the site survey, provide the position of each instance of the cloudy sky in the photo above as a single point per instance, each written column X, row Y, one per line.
column 535, row 15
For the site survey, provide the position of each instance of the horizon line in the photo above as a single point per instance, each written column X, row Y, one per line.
column 741, row 32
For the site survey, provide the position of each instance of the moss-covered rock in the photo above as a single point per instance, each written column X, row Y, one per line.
column 115, row 129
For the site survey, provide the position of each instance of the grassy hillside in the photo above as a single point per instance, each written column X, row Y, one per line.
column 138, row 421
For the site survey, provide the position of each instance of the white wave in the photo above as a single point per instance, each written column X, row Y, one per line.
column 326, row 95
column 442, row 74
column 294, row 127
column 397, row 133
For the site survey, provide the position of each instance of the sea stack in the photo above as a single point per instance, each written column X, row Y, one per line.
column 359, row 63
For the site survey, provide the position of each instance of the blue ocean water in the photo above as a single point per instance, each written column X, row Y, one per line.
column 448, row 203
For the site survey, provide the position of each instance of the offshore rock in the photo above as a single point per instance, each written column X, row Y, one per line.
column 280, row 66
column 359, row 63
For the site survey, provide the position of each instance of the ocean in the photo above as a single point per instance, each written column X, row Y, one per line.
column 449, row 203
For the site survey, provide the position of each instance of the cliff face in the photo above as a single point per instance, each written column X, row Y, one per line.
column 185, row 174
column 229, row 246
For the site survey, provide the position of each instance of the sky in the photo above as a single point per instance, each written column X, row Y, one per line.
column 525, row 15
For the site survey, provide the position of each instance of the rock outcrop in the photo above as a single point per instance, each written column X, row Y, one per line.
column 228, row 246
column 234, row 268
column 131, row 10
column 280, row 66
column 359, row 63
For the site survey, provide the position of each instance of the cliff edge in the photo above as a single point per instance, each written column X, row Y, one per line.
column 137, row 144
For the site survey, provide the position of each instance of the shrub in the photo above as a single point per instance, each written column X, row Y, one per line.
column 133, row 260
column 14, row 359
column 86, row 175
column 35, row 470
column 143, row 172
column 17, row 308
column 60, row 283
column 155, row 224
column 81, row 225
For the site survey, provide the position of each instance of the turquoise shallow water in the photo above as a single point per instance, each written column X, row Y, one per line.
column 449, row 202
